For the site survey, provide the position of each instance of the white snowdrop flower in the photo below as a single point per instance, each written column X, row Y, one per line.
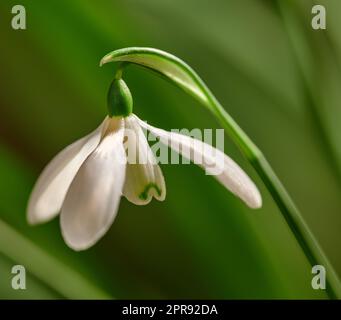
column 85, row 181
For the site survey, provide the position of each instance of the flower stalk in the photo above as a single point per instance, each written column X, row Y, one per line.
column 290, row 212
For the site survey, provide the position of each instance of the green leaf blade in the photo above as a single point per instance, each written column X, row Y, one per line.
column 165, row 64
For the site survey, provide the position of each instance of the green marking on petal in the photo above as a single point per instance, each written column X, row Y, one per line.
column 144, row 194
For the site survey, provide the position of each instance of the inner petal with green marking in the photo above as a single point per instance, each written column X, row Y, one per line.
column 144, row 178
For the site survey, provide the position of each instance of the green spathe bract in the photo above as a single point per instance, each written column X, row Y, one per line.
column 119, row 100
column 181, row 74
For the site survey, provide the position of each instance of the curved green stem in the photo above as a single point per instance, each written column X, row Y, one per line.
column 119, row 71
column 291, row 214
column 178, row 72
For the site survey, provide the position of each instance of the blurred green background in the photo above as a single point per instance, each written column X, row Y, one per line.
column 279, row 79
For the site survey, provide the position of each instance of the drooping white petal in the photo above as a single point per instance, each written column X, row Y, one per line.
column 50, row 189
column 214, row 161
column 91, row 203
column 144, row 178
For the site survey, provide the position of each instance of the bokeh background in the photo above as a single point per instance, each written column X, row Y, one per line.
column 279, row 79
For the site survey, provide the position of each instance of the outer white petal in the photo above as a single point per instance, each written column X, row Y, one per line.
column 144, row 178
column 228, row 174
column 93, row 198
column 50, row 189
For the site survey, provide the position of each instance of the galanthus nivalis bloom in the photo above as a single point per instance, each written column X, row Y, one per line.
column 85, row 181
